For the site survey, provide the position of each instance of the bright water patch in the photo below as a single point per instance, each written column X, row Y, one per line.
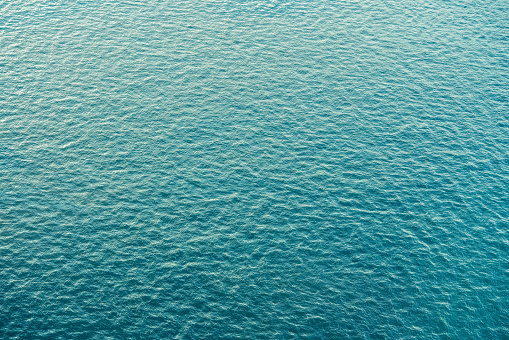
column 254, row 169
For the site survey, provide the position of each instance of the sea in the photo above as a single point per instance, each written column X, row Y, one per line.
column 254, row 169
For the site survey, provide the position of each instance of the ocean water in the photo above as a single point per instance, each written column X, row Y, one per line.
column 254, row 169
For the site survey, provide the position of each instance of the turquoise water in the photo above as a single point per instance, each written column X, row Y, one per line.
column 254, row 169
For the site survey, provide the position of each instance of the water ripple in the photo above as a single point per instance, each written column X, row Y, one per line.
column 254, row 169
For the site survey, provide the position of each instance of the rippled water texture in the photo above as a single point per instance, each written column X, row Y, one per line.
column 254, row 169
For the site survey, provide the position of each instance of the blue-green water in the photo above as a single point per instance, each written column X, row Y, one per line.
column 254, row 169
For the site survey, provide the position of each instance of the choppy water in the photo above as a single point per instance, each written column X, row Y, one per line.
column 254, row 169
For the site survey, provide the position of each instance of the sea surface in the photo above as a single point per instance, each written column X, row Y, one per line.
column 254, row 169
